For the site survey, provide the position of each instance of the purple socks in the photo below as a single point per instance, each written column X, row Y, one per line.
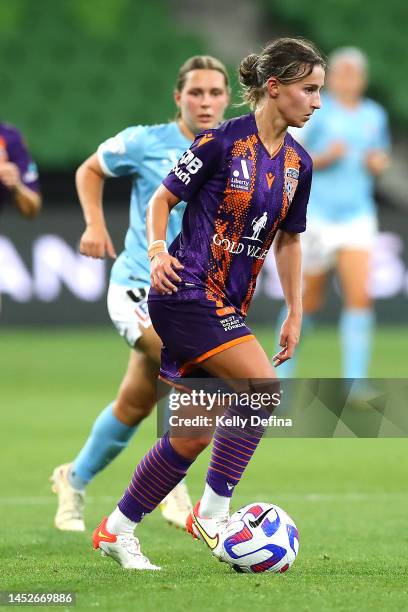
column 232, row 449
column 160, row 470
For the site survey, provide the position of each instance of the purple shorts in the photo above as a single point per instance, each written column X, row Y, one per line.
column 192, row 331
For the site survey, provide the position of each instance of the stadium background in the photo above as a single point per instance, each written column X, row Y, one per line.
column 72, row 73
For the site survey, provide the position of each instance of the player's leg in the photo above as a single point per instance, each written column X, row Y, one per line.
column 156, row 475
column 357, row 319
column 177, row 504
column 233, row 446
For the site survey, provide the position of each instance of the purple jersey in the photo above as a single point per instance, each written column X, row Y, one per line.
column 13, row 149
column 237, row 197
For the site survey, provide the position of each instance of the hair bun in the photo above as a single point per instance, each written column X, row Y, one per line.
column 248, row 75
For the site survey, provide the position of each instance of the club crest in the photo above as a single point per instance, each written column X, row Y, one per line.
column 291, row 182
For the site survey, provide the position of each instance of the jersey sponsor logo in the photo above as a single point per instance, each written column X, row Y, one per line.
column 232, row 322
column 291, row 182
column 236, row 248
column 269, row 179
column 206, row 138
column 257, row 226
column 192, row 165
column 241, row 171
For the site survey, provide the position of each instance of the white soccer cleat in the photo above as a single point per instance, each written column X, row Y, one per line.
column 176, row 507
column 209, row 530
column 70, row 511
column 124, row 549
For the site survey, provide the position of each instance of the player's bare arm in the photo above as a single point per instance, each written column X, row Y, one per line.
column 288, row 262
column 27, row 200
column 95, row 241
column 163, row 265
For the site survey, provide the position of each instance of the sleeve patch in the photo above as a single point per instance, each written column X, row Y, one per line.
column 192, row 165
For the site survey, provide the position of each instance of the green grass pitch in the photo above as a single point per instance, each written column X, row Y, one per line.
column 348, row 497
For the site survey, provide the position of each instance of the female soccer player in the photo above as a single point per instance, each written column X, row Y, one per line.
column 145, row 153
column 18, row 174
column 349, row 143
column 248, row 170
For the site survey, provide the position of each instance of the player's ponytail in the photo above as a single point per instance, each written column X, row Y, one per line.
column 287, row 59
column 248, row 76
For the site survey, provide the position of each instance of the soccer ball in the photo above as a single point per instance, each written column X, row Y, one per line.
column 260, row 538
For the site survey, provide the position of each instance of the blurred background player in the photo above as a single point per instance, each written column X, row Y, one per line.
column 248, row 168
column 18, row 173
column 348, row 141
column 147, row 154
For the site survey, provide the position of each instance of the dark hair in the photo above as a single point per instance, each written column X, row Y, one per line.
column 287, row 59
column 200, row 62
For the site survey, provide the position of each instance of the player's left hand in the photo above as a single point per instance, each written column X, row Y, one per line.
column 9, row 175
column 289, row 338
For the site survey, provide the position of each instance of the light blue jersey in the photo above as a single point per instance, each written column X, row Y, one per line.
column 343, row 191
column 147, row 154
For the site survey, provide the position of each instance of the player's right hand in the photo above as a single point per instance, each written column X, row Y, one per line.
column 96, row 242
column 162, row 273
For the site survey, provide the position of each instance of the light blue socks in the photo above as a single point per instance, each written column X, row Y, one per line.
column 107, row 439
column 356, row 330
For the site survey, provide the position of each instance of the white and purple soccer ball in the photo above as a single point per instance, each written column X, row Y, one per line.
column 260, row 538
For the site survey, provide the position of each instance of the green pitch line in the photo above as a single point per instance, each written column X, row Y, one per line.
column 348, row 497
